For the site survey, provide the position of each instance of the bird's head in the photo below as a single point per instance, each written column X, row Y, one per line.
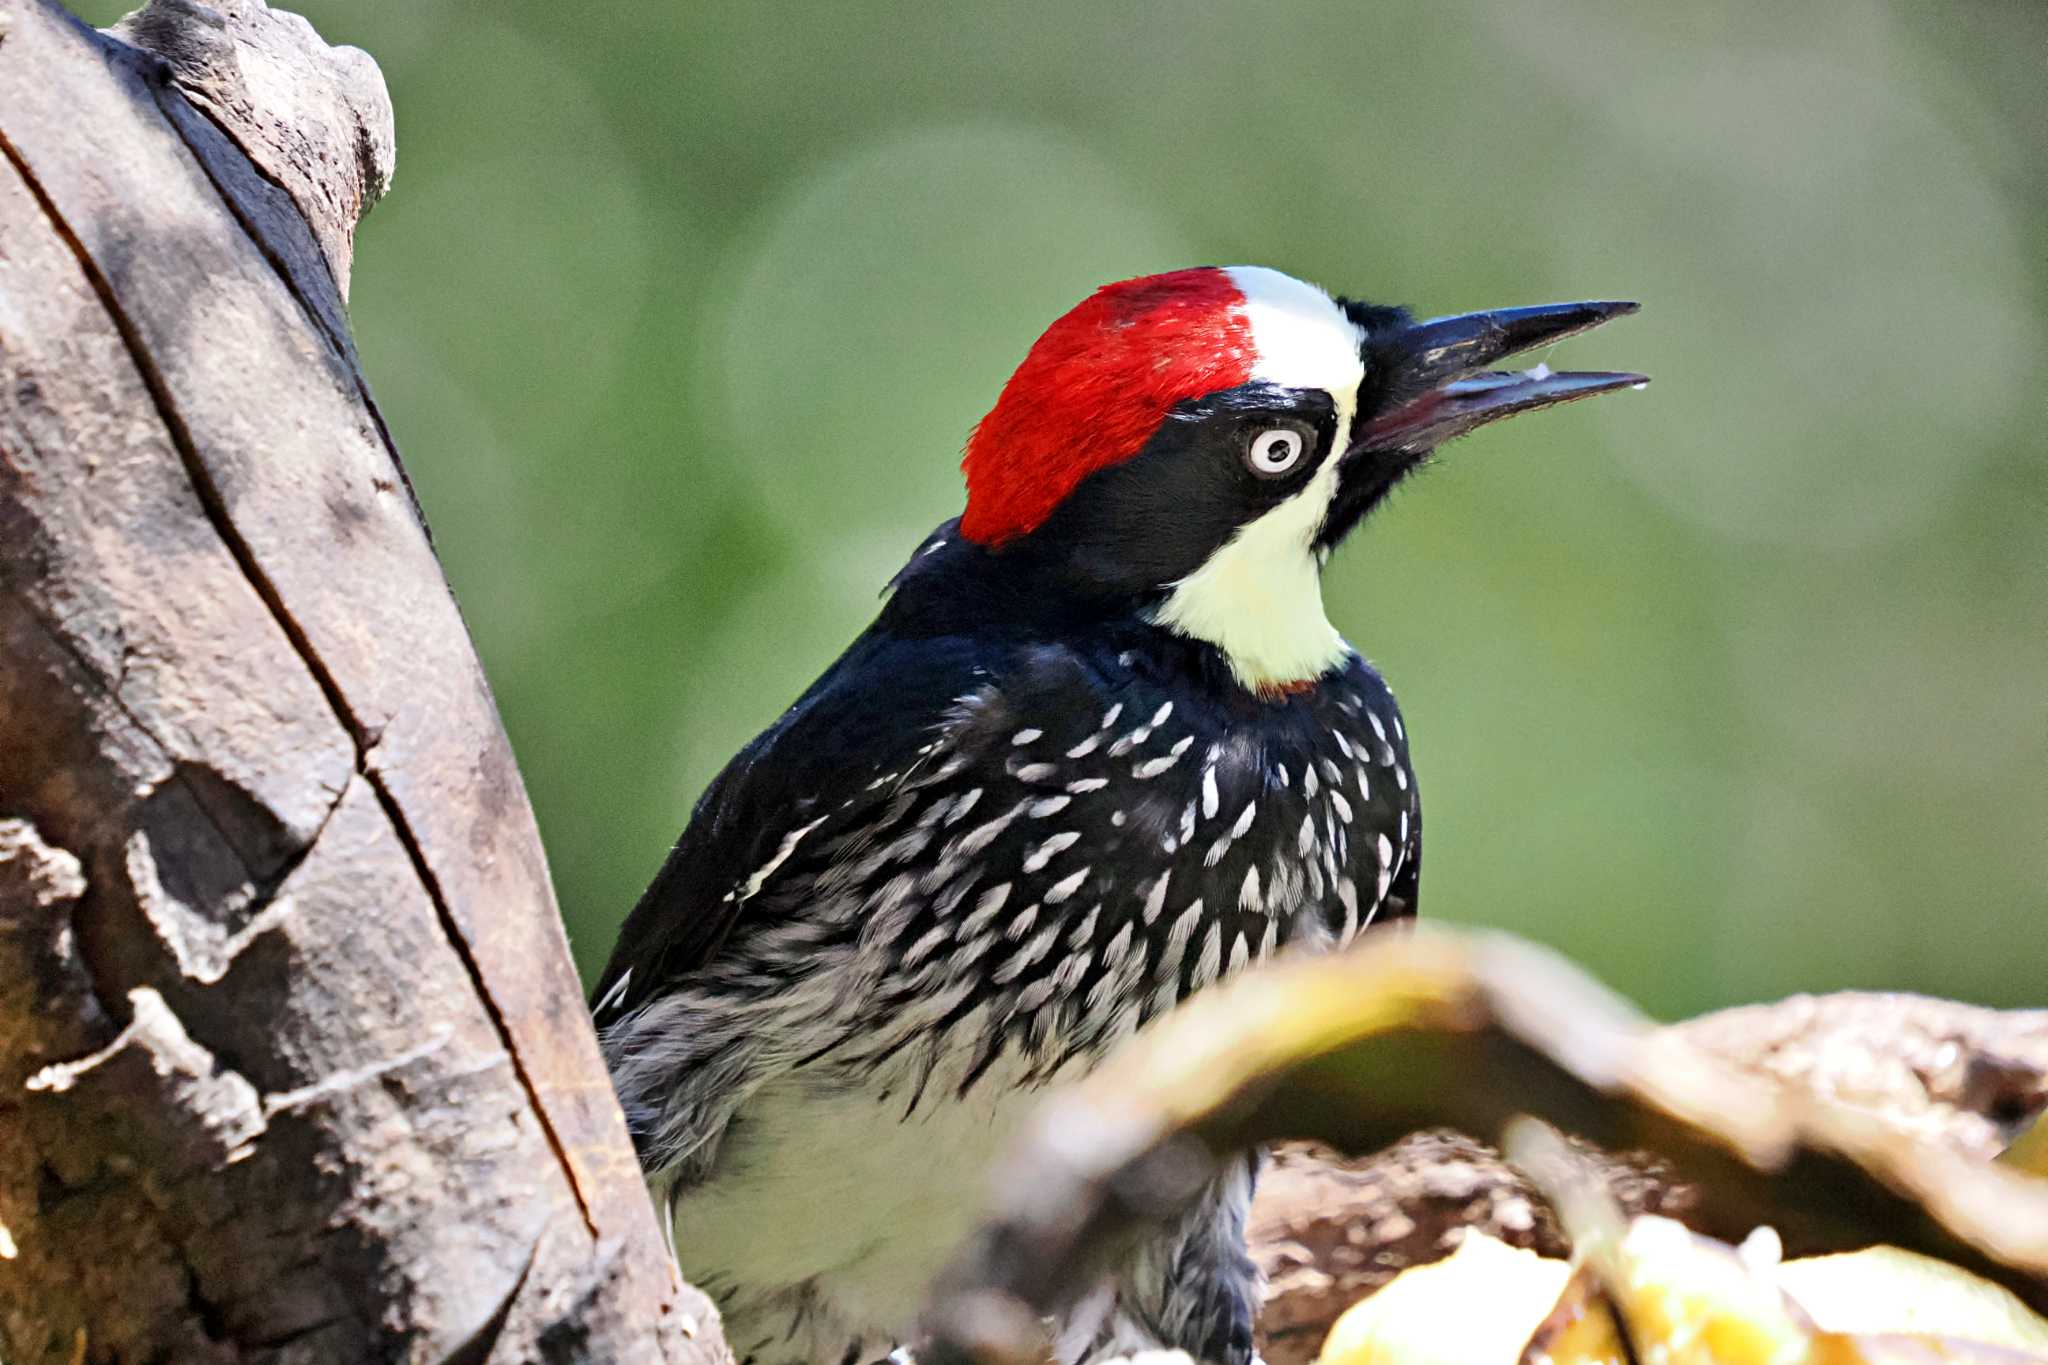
column 1196, row 443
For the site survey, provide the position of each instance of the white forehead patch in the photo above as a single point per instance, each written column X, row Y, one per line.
column 1303, row 339
column 1259, row 598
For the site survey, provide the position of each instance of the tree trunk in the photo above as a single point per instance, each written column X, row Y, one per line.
column 294, row 1064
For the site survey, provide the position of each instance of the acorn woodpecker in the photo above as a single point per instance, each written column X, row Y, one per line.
column 1100, row 748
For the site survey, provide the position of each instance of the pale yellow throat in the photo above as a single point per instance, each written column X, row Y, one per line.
column 1259, row 599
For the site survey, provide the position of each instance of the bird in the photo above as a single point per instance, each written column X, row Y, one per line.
column 1100, row 747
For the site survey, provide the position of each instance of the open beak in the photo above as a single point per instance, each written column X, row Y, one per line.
column 1436, row 385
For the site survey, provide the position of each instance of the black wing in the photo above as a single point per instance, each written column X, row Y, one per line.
column 1399, row 809
column 835, row 756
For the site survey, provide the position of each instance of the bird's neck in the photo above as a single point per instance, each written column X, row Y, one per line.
column 1251, row 618
column 1259, row 600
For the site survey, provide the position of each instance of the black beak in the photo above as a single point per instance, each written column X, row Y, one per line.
column 1434, row 384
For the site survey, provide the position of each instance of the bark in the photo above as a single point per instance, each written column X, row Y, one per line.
column 1328, row 1231
column 294, row 1064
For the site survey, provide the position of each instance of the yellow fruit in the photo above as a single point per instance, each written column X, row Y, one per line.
column 1476, row 1307
column 1884, row 1289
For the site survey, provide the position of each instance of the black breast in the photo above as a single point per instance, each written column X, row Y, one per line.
column 1084, row 841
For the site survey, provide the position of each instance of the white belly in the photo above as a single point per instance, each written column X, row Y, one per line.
column 840, row 1192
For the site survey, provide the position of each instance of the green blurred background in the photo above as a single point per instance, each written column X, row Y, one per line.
column 1731, row 688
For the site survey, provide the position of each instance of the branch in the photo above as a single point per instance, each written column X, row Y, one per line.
column 1328, row 1231
column 1434, row 1028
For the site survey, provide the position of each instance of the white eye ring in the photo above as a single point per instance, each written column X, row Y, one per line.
column 1275, row 451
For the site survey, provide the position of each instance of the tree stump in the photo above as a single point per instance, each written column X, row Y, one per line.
column 294, row 1064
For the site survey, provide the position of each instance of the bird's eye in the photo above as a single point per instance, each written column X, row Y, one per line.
column 1274, row 451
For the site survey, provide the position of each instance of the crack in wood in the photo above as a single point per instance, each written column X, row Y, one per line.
column 476, row 1349
column 282, row 1101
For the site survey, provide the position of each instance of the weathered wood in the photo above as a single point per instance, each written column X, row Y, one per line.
column 293, row 1060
